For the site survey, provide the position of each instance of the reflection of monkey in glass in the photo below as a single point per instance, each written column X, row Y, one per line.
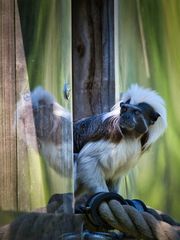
column 107, row 145
column 53, row 131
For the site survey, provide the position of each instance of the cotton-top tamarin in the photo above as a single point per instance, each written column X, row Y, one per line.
column 110, row 144
column 107, row 145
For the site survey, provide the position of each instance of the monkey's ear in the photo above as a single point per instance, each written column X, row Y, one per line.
column 121, row 104
column 154, row 117
column 128, row 101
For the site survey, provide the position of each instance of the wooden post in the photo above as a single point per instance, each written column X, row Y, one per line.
column 93, row 56
column 8, row 161
column 22, row 87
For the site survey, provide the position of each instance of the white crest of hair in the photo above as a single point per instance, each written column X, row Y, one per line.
column 39, row 94
column 138, row 94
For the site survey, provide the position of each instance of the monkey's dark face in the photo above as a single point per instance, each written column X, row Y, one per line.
column 137, row 118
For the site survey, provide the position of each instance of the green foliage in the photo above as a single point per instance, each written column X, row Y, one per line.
column 149, row 53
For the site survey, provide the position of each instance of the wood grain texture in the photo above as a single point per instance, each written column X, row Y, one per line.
column 22, row 88
column 8, row 162
column 93, row 57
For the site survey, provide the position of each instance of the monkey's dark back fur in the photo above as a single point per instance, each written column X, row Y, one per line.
column 93, row 129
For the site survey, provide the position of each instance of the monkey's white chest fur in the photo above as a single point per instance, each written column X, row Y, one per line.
column 117, row 159
column 114, row 160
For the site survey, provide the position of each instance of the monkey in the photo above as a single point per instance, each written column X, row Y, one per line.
column 107, row 145
column 110, row 144
column 45, row 126
column 53, row 131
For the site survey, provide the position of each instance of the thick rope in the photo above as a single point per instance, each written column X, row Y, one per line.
column 141, row 225
column 41, row 226
column 162, row 217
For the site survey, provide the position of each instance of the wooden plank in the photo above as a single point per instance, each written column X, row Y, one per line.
column 22, row 88
column 8, row 163
column 93, row 56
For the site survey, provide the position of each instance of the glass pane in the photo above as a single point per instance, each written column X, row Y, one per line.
column 41, row 126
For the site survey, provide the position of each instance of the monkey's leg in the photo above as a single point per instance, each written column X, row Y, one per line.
column 113, row 185
column 90, row 176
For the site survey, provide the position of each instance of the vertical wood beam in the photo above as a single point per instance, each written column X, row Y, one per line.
column 93, row 56
column 22, row 88
column 8, row 164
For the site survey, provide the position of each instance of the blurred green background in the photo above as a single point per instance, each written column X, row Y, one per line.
column 147, row 48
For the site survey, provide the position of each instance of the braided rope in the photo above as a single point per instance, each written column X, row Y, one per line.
column 141, row 225
column 44, row 226
column 162, row 217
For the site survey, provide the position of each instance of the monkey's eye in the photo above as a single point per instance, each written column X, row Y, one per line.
column 152, row 122
column 137, row 112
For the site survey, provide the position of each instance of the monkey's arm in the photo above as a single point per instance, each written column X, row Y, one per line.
column 87, row 129
column 90, row 177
